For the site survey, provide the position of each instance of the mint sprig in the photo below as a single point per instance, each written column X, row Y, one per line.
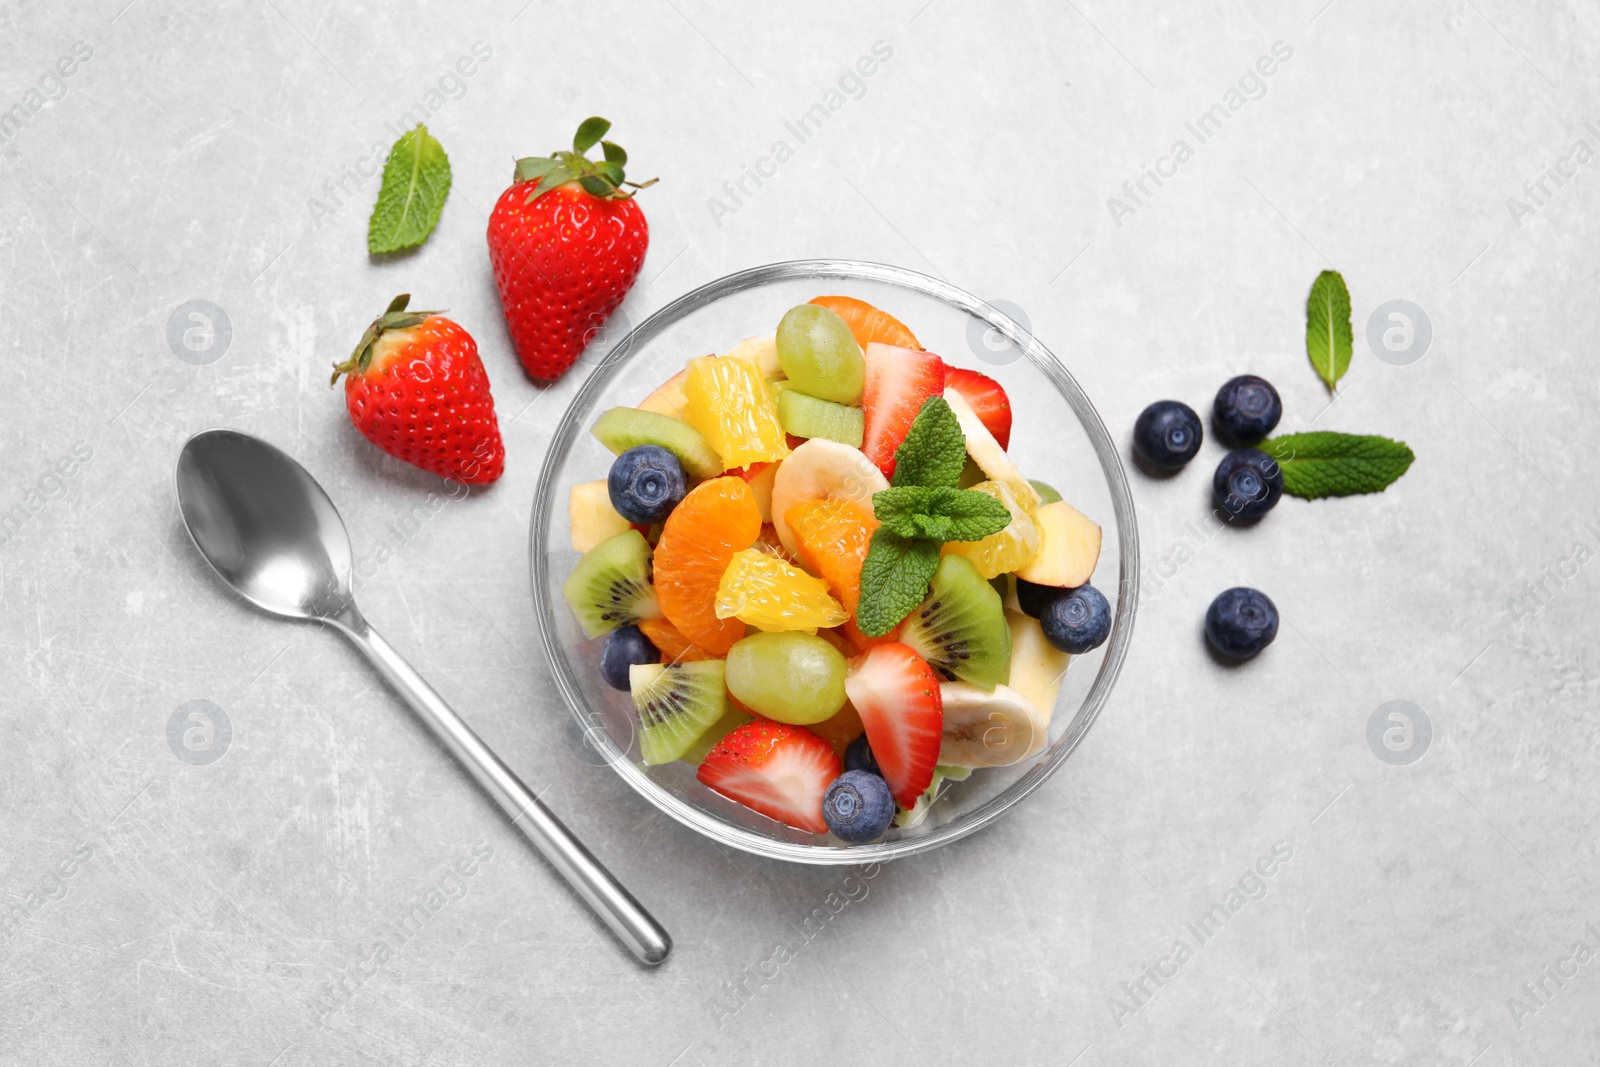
column 1328, row 336
column 894, row 579
column 940, row 514
column 922, row 509
column 416, row 179
column 1324, row 463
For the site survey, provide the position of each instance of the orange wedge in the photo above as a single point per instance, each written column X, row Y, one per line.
column 673, row 646
column 716, row 519
column 868, row 324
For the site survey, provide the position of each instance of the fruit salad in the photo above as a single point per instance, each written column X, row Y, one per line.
column 821, row 578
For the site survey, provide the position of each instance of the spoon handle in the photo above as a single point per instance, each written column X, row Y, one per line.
column 625, row 916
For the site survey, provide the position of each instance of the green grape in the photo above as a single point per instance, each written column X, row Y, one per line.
column 1047, row 493
column 791, row 677
column 819, row 355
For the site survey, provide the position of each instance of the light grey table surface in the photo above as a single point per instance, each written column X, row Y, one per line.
column 160, row 911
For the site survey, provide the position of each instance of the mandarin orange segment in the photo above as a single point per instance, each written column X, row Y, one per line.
column 770, row 543
column 860, row 642
column 717, row 519
column 1013, row 547
column 868, row 324
column 833, row 537
column 840, row 730
column 673, row 646
column 728, row 402
column 772, row 595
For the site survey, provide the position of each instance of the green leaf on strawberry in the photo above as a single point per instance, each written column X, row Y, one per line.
column 535, row 167
column 590, row 130
column 416, row 180
column 602, row 178
column 394, row 317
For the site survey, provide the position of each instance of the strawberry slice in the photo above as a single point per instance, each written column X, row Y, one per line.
column 898, row 381
column 898, row 698
column 776, row 769
column 987, row 400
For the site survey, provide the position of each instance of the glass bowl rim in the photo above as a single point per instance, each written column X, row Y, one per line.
column 1106, row 451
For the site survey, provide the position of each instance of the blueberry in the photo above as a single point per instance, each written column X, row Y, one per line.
column 1241, row 622
column 858, row 757
column 857, row 807
column 1033, row 599
column 646, row 483
column 1078, row 621
column 1246, row 410
column 1247, row 484
column 1167, row 434
column 624, row 647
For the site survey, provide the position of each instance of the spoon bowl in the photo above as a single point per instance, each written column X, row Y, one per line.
column 264, row 525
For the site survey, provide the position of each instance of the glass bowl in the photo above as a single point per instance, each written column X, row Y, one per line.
column 1057, row 437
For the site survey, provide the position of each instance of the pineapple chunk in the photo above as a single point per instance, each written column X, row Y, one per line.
column 591, row 515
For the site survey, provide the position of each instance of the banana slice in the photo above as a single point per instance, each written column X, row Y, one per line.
column 989, row 729
column 822, row 470
column 981, row 445
column 1037, row 666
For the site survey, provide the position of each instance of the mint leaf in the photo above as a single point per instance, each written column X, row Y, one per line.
column 1328, row 327
column 1324, row 463
column 941, row 514
column 416, row 179
column 934, row 450
column 894, row 580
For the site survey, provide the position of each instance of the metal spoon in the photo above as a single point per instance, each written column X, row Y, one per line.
column 270, row 532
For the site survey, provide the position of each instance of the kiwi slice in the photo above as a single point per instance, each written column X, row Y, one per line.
column 731, row 720
column 806, row 416
column 623, row 428
column 610, row 586
column 961, row 628
column 677, row 703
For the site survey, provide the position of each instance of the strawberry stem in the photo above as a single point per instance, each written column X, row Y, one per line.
column 602, row 178
column 395, row 317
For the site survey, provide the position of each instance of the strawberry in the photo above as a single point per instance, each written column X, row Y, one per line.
column 987, row 400
column 566, row 243
column 898, row 698
column 416, row 388
column 776, row 769
column 898, row 381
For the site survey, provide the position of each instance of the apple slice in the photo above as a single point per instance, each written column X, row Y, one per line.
column 1069, row 547
column 668, row 399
